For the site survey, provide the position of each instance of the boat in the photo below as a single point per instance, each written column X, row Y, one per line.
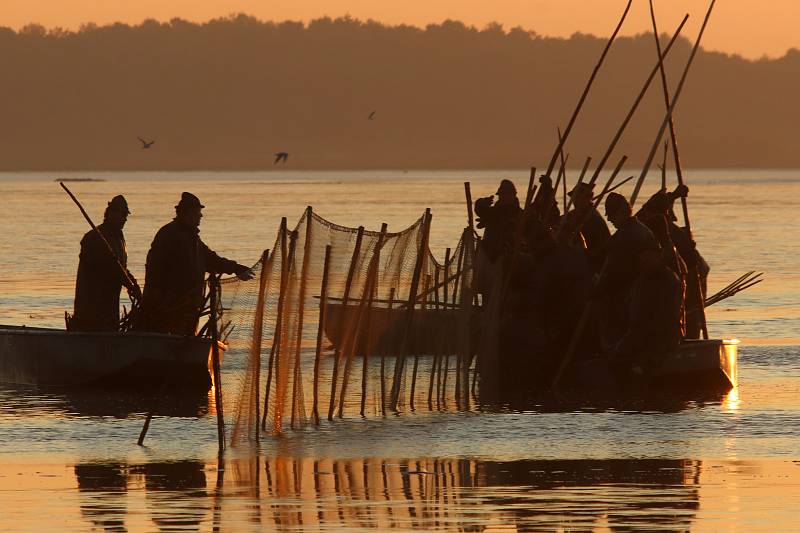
column 59, row 358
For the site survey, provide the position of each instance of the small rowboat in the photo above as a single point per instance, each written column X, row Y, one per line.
column 53, row 357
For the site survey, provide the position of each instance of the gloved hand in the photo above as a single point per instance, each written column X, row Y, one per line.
column 246, row 275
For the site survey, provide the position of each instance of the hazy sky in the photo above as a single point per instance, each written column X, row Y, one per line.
column 749, row 27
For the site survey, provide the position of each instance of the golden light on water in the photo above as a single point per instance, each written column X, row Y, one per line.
column 731, row 402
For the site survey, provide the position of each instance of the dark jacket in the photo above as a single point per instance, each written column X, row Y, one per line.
column 500, row 223
column 654, row 315
column 99, row 281
column 623, row 250
column 175, row 274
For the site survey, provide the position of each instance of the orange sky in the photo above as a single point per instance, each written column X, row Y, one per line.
column 747, row 27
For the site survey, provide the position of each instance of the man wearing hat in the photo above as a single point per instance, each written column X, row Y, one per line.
column 175, row 272
column 587, row 220
column 100, row 277
column 499, row 219
column 620, row 269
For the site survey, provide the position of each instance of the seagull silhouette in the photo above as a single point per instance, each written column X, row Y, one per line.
column 145, row 144
column 280, row 156
column 372, row 115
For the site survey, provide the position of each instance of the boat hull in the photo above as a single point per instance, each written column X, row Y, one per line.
column 51, row 357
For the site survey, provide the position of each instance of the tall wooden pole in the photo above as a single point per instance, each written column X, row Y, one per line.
column 673, row 139
column 673, row 103
column 276, row 336
column 213, row 281
column 422, row 255
column 343, row 326
column 374, row 268
column 468, row 194
column 301, row 311
column 258, row 327
column 551, row 165
column 636, row 102
column 323, row 303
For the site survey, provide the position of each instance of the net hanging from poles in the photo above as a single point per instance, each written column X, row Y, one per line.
column 325, row 329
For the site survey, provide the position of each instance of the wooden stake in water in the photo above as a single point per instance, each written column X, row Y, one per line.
column 323, row 303
column 276, row 336
column 213, row 281
column 258, row 327
column 389, row 311
column 296, row 379
column 343, row 326
column 373, row 288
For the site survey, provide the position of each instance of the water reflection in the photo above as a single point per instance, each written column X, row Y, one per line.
column 305, row 494
column 97, row 402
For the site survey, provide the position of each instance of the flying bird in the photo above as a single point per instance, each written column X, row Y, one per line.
column 372, row 115
column 280, row 156
column 145, row 144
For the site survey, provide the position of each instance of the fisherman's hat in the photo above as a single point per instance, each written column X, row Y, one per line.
column 118, row 203
column 582, row 187
column 189, row 201
column 615, row 201
column 507, row 186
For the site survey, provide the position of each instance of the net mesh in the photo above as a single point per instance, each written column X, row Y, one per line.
column 325, row 328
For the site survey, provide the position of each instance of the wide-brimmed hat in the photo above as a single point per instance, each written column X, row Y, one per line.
column 189, row 201
column 581, row 188
column 507, row 186
column 615, row 202
column 118, row 203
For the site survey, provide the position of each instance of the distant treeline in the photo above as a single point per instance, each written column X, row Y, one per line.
column 229, row 93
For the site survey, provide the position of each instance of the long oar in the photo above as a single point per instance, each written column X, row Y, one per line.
column 678, row 166
column 636, row 102
column 673, row 103
column 579, row 106
column 125, row 273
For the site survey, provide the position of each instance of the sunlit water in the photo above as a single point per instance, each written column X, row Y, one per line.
column 712, row 464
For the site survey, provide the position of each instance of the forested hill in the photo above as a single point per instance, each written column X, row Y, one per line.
column 229, row 93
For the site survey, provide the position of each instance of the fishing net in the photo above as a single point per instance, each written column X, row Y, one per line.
column 325, row 328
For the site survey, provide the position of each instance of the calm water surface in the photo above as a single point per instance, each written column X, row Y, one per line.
column 68, row 460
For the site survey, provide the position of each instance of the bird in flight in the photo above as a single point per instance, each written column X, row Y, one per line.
column 280, row 156
column 372, row 115
column 145, row 144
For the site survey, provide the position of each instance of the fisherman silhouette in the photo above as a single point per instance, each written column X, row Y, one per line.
column 175, row 272
column 281, row 156
column 146, row 144
column 100, row 279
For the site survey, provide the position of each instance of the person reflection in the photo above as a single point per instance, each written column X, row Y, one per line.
column 176, row 495
column 102, row 491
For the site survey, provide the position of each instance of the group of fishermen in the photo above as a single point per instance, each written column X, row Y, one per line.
column 177, row 263
column 639, row 290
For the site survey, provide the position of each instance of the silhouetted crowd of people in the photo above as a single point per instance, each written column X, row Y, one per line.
column 641, row 288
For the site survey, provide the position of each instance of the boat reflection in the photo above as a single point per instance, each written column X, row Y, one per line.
column 305, row 494
column 38, row 401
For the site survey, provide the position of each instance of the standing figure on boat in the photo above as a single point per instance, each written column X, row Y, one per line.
column 175, row 272
column 100, row 277
column 696, row 268
column 620, row 268
column 499, row 221
column 653, row 326
column 586, row 221
column 545, row 205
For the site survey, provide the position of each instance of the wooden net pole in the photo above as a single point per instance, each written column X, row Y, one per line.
column 276, row 336
column 258, row 333
column 673, row 139
column 213, row 281
column 343, row 325
column 296, row 379
column 374, row 267
column 389, row 312
column 671, row 109
column 422, row 255
column 323, row 303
